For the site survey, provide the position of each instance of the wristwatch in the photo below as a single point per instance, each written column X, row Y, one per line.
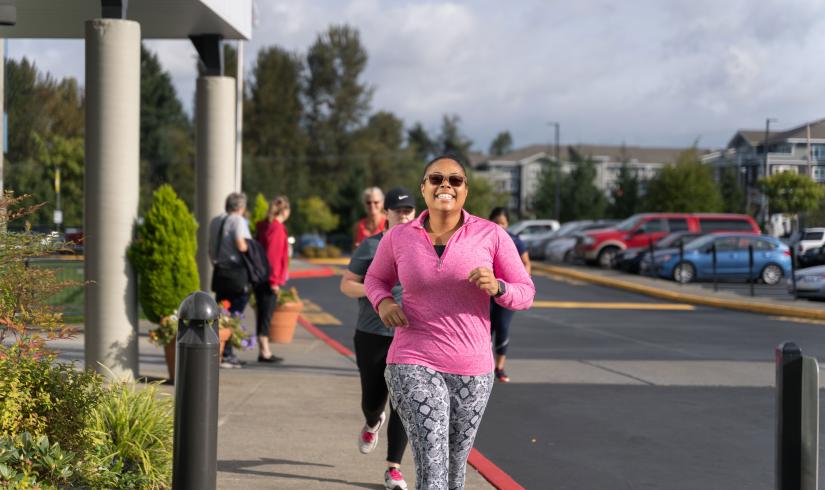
column 501, row 288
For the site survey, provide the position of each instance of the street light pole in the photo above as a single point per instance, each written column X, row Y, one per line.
column 768, row 122
column 558, row 173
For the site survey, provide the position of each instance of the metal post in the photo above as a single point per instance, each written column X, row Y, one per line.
column 650, row 251
column 797, row 419
column 765, row 174
column 682, row 258
column 715, row 278
column 557, row 197
column 750, row 267
column 196, row 395
column 793, row 271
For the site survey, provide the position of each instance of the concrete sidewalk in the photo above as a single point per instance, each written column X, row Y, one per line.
column 288, row 426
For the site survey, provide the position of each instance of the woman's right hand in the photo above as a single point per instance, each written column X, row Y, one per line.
column 391, row 314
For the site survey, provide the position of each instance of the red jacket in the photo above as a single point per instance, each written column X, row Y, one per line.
column 273, row 237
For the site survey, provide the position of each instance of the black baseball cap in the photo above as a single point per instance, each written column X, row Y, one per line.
column 399, row 197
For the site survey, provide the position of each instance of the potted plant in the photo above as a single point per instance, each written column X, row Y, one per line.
column 232, row 330
column 164, row 336
column 163, row 255
column 285, row 317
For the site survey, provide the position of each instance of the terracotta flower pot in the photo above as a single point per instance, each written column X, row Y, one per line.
column 169, row 352
column 223, row 335
column 282, row 324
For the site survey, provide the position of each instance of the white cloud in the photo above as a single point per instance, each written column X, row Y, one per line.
column 643, row 73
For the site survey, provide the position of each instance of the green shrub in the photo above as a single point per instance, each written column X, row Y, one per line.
column 258, row 212
column 132, row 432
column 164, row 255
column 43, row 397
column 33, row 462
column 332, row 252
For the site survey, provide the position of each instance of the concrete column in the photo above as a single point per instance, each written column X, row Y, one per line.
column 111, row 194
column 214, row 159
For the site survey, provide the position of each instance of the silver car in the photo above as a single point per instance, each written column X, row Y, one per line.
column 559, row 248
column 810, row 283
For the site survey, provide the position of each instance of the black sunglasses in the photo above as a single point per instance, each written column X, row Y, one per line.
column 454, row 180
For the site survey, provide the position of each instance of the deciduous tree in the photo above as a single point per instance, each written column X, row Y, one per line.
column 686, row 187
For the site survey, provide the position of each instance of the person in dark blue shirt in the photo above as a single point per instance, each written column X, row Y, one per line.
column 500, row 318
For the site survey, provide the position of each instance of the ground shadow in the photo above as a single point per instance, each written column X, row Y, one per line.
column 246, row 467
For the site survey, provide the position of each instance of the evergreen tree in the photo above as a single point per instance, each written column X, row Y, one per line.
column 167, row 151
column 451, row 139
column 733, row 196
column 274, row 140
column 338, row 102
column 686, row 187
column 419, row 141
column 625, row 193
column 580, row 198
column 503, row 143
column 164, row 255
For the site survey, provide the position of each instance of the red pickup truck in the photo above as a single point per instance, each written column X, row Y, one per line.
column 639, row 230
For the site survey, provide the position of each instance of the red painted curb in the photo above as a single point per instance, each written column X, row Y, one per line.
column 325, row 338
column 492, row 473
column 308, row 273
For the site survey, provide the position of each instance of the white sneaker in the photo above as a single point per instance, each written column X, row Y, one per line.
column 394, row 480
column 368, row 438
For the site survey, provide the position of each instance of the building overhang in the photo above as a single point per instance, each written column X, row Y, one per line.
column 159, row 19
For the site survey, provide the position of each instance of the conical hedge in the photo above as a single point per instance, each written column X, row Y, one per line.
column 163, row 255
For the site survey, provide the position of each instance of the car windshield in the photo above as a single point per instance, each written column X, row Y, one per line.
column 629, row 223
column 568, row 228
column 812, row 235
column 673, row 240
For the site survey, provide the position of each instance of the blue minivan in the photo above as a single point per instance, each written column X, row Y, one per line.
column 771, row 259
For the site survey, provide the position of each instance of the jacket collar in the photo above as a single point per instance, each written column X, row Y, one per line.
column 419, row 222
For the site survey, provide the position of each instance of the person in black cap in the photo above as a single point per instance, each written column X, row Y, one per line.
column 372, row 341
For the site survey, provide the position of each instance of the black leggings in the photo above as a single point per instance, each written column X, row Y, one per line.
column 500, row 319
column 371, row 356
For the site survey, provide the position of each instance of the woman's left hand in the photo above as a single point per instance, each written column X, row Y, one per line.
column 484, row 279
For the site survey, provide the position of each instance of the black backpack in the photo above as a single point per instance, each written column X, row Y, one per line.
column 257, row 265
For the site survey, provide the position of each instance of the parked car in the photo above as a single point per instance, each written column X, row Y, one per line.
column 560, row 247
column 74, row 239
column 539, row 241
column 810, row 282
column 812, row 257
column 811, row 238
column 630, row 259
column 771, row 259
column 526, row 229
column 311, row 240
column 601, row 246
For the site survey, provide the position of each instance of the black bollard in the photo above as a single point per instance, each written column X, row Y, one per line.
column 793, row 271
column 715, row 278
column 650, row 252
column 751, row 279
column 797, row 419
column 196, row 395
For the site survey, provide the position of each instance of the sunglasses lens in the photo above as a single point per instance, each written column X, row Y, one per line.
column 456, row 181
column 435, row 179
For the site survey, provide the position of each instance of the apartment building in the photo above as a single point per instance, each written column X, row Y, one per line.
column 518, row 173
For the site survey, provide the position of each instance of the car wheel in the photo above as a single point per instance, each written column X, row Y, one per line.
column 684, row 272
column 607, row 256
column 771, row 274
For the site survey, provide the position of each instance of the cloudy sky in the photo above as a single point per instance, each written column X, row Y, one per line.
column 646, row 72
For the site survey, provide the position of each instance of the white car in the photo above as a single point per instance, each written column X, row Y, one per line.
column 811, row 238
column 529, row 229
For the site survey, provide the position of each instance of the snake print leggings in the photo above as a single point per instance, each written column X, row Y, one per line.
column 441, row 413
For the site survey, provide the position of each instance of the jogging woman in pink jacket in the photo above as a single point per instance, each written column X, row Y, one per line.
column 440, row 364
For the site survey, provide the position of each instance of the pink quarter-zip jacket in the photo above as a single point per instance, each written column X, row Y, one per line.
column 448, row 316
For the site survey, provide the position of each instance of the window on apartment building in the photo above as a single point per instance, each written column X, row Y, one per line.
column 818, row 151
column 785, row 148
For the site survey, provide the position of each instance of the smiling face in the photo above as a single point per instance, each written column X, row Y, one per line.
column 444, row 196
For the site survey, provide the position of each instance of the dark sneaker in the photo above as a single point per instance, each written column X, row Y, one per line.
column 394, row 480
column 502, row 376
column 271, row 359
